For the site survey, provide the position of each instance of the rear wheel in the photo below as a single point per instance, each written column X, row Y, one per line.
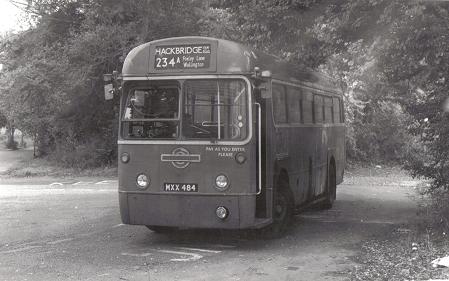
column 161, row 229
column 331, row 187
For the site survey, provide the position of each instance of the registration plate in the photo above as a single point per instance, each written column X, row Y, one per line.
column 180, row 187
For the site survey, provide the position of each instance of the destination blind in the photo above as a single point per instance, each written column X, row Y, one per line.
column 189, row 56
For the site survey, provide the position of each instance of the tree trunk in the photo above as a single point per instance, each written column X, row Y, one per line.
column 10, row 142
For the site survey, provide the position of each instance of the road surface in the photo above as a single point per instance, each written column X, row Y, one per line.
column 71, row 230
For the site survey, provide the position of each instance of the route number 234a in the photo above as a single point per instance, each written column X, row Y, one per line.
column 163, row 62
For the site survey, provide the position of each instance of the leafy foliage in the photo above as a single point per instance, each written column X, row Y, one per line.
column 51, row 84
column 415, row 63
column 390, row 57
column 342, row 38
column 3, row 120
column 279, row 27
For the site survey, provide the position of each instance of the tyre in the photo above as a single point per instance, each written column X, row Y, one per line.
column 283, row 209
column 331, row 187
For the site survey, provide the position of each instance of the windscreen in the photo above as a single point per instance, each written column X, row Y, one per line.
column 152, row 112
column 214, row 109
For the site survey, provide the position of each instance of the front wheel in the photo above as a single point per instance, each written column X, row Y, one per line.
column 283, row 208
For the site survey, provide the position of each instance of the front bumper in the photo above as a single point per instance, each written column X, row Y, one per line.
column 187, row 211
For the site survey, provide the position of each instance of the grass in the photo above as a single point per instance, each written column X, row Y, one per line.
column 406, row 253
column 21, row 163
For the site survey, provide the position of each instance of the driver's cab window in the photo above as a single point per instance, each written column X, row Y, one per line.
column 151, row 112
column 152, row 103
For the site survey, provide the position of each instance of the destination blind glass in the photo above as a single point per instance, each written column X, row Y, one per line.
column 191, row 56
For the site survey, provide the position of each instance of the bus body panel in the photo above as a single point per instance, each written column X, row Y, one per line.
column 147, row 159
column 185, row 211
column 314, row 144
column 303, row 151
column 156, row 205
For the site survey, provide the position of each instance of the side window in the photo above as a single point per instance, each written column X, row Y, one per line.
column 307, row 107
column 328, row 118
column 294, row 105
column 279, row 104
column 318, row 106
column 336, row 109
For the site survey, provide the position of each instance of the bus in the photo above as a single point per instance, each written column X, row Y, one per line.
column 214, row 134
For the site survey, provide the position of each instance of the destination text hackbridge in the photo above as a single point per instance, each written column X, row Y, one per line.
column 184, row 50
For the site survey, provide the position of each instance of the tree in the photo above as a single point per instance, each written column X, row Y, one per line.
column 52, row 84
column 415, row 61
column 3, row 120
column 342, row 39
column 390, row 57
column 408, row 45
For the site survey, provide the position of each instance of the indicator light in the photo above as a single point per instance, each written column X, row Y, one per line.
column 240, row 157
column 124, row 157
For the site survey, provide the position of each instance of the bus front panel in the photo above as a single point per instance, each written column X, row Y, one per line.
column 182, row 188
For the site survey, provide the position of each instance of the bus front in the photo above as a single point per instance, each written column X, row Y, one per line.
column 187, row 143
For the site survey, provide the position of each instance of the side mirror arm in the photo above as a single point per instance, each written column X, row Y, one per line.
column 262, row 87
column 112, row 85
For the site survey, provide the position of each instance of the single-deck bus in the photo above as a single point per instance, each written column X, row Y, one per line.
column 214, row 134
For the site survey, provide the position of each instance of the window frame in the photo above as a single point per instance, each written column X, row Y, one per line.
column 295, row 104
column 275, row 107
column 131, row 82
column 328, row 104
column 318, row 108
column 339, row 113
column 213, row 107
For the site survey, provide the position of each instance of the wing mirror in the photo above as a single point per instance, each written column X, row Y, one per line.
column 112, row 84
column 262, row 83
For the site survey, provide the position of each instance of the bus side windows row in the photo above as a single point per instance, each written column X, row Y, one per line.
column 293, row 105
column 279, row 102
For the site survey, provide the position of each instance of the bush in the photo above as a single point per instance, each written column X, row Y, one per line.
column 438, row 209
column 91, row 154
column 379, row 135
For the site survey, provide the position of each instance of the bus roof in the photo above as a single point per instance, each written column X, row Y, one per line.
column 204, row 55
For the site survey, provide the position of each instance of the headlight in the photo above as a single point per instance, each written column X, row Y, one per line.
column 124, row 157
column 143, row 181
column 221, row 182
